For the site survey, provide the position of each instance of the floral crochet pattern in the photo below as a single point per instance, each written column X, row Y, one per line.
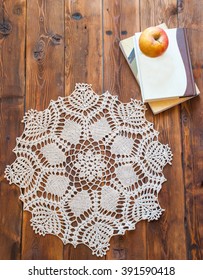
column 89, row 167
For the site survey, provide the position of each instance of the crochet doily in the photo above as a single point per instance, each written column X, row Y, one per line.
column 89, row 167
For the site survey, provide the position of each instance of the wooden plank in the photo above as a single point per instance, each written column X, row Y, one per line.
column 121, row 20
column 45, row 52
column 44, row 81
column 192, row 131
column 166, row 237
column 83, row 64
column 83, row 43
column 163, row 239
column 12, row 81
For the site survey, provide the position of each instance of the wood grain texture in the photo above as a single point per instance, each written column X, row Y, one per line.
column 119, row 80
column 83, row 42
column 45, row 48
column 161, row 235
column 12, row 91
column 191, row 17
column 45, row 52
column 44, row 81
column 83, row 64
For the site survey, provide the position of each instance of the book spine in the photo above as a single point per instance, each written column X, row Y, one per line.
column 130, row 58
column 185, row 53
column 136, row 49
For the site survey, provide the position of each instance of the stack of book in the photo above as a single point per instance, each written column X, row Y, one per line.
column 167, row 80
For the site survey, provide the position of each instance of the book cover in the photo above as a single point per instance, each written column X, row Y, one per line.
column 127, row 48
column 169, row 75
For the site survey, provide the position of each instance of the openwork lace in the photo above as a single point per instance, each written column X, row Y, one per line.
column 89, row 167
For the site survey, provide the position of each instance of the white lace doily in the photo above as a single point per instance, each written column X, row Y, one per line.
column 89, row 167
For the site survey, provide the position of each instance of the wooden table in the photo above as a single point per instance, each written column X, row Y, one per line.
column 46, row 47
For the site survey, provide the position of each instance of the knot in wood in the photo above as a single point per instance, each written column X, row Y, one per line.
column 77, row 16
column 17, row 10
column 180, row 6
column 56, row 39
column 109, row 32
column 172, row 10
column 38, row 52
column 5, row 28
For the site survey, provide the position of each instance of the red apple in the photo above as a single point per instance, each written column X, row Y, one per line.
column 153, row 41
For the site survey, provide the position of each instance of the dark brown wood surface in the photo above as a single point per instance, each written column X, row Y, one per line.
column 12, row 94
column 83, row 64
column 45, row 48
column 44, row 81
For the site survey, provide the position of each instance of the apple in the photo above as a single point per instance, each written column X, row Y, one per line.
column 153, row 41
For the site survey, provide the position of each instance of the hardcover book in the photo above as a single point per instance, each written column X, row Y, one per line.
column 169, row 75
column 127, row 47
